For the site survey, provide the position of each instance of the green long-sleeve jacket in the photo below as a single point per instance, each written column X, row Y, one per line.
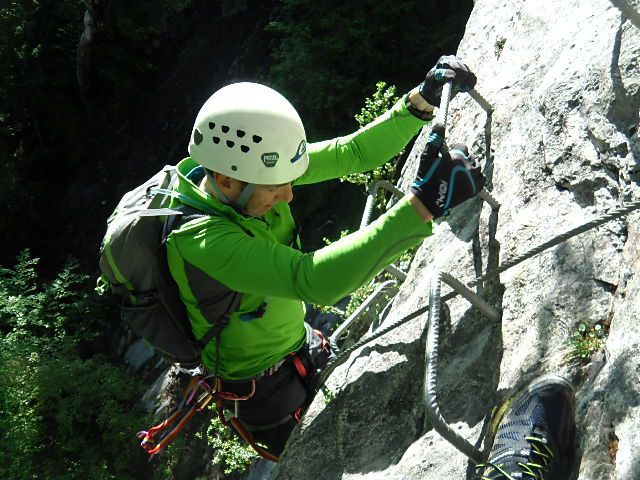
column 258, row 256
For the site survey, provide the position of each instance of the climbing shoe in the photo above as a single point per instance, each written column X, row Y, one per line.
column 531, row 434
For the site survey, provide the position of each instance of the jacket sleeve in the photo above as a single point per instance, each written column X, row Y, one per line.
column 364, row 150
column 260, row 266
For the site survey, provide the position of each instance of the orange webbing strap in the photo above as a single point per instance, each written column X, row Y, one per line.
column 299, row 364
column 196, row 397
column 233, row 396
column 237, row 425
column 249, row 439
column 147, row 437
column 325, row 342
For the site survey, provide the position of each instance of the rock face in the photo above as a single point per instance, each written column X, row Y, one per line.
column 564, row 81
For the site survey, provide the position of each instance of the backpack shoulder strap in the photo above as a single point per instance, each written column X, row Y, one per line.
column 184, row 214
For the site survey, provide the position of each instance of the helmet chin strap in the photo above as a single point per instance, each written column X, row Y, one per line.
column 241, row 203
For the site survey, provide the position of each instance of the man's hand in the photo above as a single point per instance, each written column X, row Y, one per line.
column 446, row 180
column 448, row 68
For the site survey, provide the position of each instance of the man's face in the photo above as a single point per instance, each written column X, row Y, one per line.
column 266, row 196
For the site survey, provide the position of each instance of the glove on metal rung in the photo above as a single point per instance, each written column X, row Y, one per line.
column 433, row 321
column 443, row 114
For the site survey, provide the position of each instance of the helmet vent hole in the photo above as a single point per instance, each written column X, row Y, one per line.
column 225, row 129
column 257, row 139
column 216, row 140
column 244, row 148
column 240, row 133
column 212, row 125
column 197, row 137
column 230, row 143
column 234, row 168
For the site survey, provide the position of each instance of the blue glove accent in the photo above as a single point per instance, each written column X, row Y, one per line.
column 460, row 152
column 434, row 167
column 436, row 140
column 452, row 184
column 444, row 74
column 445, row 180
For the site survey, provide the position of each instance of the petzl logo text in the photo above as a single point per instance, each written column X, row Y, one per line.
column 442, row 191
column 270, row 159
column 300, row 152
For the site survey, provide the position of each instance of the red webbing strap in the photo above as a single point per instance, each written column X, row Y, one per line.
column 325, row 342
column 147, row 436
column 237, row 425
column 297, row 362
column 249, row 439
column 243, row 432
column 220, row 410
column 147, row 442
column 191, row 404
column 233, row 396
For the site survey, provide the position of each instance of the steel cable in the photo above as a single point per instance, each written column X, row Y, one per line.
column 607, row 217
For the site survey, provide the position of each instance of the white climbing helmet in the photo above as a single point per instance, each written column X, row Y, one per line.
column 250, row 132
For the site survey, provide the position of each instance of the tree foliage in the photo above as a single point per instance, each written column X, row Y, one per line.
column 48, row 127
column 382, row 100
column 330, row 54
column 66, row 411
column 37, row 61
column 64, row 414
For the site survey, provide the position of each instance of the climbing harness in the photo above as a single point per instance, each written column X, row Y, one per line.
column 197, row 396
column 202, row 391
column 435, row 299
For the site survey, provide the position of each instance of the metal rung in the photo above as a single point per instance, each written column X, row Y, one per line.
column 433, row 321
column 377, row 293
column 431, row 360
column 487, row 197
column 368, row 210
column 371, row 199
column 396, row 272
column 480, row 100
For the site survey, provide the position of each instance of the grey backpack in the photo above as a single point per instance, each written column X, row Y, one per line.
column 133, row 262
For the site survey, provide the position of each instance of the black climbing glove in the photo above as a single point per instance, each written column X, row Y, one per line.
column 445, row 180
column 448, row 68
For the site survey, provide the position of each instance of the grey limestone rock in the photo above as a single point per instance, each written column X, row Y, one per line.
column 138, row 354
column 564, row 81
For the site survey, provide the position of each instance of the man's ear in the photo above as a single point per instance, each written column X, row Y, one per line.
column 223, row 181
column 231, row 187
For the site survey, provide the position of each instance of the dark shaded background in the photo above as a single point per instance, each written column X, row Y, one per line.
column 70, row 151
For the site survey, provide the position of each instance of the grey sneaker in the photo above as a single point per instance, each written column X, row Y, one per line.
column 531, row 434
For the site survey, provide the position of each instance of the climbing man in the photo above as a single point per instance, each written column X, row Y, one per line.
column 241, row 267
